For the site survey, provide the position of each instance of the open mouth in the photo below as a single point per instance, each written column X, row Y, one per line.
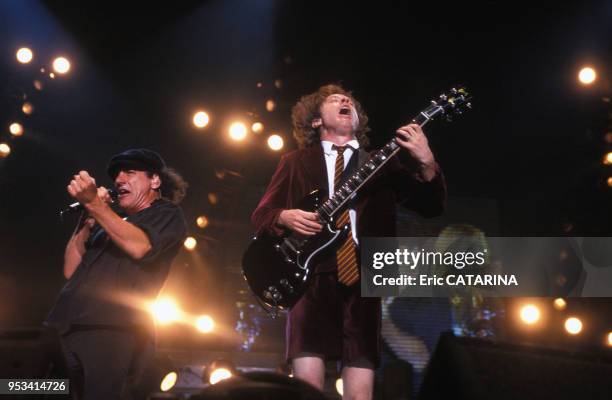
column 345, row 111
column 122, row 192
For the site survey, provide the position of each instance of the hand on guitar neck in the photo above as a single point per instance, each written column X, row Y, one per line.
column 300, row 221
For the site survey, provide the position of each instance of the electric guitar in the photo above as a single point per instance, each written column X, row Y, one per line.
column 278, row 269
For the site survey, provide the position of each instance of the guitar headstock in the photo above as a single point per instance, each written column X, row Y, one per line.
column 453, row 102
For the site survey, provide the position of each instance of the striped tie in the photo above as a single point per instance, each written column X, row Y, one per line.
column 346, row 255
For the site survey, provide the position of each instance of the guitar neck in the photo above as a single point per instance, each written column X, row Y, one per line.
column 376, row 161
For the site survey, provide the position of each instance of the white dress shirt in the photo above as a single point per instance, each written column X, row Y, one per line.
column 330, row 161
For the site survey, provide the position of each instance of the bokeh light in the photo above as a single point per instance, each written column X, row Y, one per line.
column 5, row 150
column 587, row 75
column 61, row 65
column 165, row 311
column 16, row 129
column 237, row 131
column 270, row 105
column 573, row 326
column 27, row 108
column 169, row 381
column 560, row 304
column 339, row 387
column 275, row 142
column 205, row 324
column 219, row 374
column 201, row 119
column 190, row 243
column 24, row 55
column 257, row 127
column 530, row 314
column 202, row 221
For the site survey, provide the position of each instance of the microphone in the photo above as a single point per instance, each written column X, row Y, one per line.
column 76, row 207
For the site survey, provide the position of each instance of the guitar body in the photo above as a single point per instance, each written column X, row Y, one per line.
column 278, row 269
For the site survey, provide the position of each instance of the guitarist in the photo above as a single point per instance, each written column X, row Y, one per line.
column 332, row 321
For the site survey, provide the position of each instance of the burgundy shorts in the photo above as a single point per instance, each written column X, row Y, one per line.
column 334, row 322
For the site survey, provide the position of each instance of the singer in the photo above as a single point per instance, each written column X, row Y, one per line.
column 115, row 263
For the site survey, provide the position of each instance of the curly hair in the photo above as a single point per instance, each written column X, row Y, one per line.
column 173, row 187
column 308, row 108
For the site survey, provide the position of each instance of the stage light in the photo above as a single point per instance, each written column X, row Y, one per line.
column 213, row 198
column 52, row 75
column 339, row 387
column 610, row 181
column 27, row 108
column 201, row 119
column 530, row 314
column 16, row 129
column 573, row 326
column 202, row 221
column 278, row 84
column 270, row 105
column 190, row 243
column 587, row 75
column 5, row 150
column 257, row 127
column 608, row 138
column 24, row 55
column 275, row 142
column 560, row 304
column 169, row 381
column 609, row 339
column 238, row 131
column 61, row 65
column 38, row 85
column 205, row 324
column 165, row 311
column 608, row 158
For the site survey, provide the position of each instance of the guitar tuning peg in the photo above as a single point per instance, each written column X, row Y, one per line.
column 469, row 105
column 453, row 91
column 433, row 103
column 443, row 97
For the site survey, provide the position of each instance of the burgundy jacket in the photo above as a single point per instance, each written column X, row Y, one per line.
column 302, row 171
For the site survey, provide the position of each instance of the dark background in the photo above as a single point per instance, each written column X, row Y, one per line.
column 533, row 142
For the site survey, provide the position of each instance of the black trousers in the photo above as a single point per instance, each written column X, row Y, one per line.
column 104, row 361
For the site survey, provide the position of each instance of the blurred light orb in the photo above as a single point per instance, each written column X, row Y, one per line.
column 218, row 375
column 608, row 158
column 61, row 65
column 165, row 311
column 560, row 304
column 275, row 142
column 52, row 75
column 27, row 108
column 278, row 84
column 213, row 198
column 24, row 55
column 38, row 85
column 202, row 221
column 169, row 381
column 16, row 129
column 530, row 314
column 339, row 387
column 610, row 182
column 190, row 243
column 257, row 127
column 201, row 119
column 205, row 324
column 609, row 339
column 587, row 75
column 5, row 150
column 573, row 326
column 270, row 105
column 238, row 131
